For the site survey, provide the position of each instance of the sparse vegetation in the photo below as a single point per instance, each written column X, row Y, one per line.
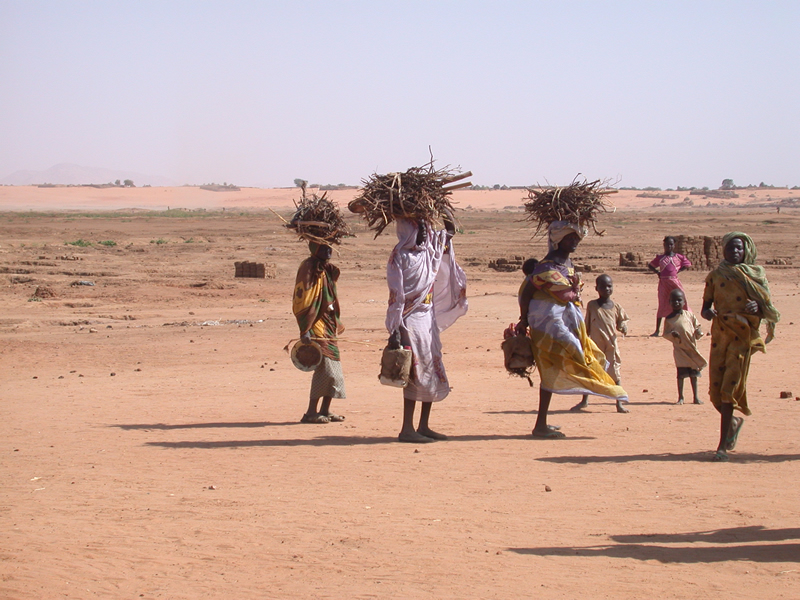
column 121, row 215
column 338, row 186
column 108, row 243
column 225, row 187
column 159, row 241
column 80, row 243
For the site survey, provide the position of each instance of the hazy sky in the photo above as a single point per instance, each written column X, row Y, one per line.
column 661, row 93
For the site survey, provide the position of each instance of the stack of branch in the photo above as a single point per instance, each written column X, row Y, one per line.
column 319, row 220
column 579, row 202
column 421, row 193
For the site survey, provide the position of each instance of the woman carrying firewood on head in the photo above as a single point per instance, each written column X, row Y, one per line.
column 316, row 308
column 567, row 359
column 427, row 289
column 427, row 293
column 315, row 303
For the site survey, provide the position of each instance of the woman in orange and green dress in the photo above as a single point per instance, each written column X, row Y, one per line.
column 737, row 300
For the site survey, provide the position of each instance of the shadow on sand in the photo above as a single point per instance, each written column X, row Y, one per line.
column 342, row 440
column 736, row 544
column 736, row 457
column 166, row 427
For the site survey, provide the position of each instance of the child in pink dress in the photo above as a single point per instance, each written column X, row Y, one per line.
column 668, row 265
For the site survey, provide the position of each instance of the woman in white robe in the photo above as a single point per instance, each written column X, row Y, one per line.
column 427, row 294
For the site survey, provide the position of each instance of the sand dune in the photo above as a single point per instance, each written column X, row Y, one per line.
column 16, row 198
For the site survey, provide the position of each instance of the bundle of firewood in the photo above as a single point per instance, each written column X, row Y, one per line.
column 319, row 220
column 421, row 193
column 579, row 203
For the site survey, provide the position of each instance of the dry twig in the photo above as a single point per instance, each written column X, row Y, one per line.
column 579, row 202
column 420, row 193
column 319, row 220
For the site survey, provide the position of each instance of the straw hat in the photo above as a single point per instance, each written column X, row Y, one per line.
column 306, row 356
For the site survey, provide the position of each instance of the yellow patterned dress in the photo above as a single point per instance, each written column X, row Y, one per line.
column 316, row 308
column 569, row 362
column 735, row 333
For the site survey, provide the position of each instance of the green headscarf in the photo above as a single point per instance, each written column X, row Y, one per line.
column 753, row 278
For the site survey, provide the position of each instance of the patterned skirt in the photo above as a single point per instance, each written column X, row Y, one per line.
column 428, row 378
column 568, row 361
column 328, row 380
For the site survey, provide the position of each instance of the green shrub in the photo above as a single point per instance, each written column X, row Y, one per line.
column 81, row 242
column 108, row 243
column 159, row 241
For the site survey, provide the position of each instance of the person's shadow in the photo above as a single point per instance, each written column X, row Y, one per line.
column 739, row 457
column 754, row 544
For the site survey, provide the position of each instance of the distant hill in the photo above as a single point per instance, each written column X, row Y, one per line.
column 70, row 174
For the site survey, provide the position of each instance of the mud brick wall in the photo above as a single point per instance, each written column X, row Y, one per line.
column 252, row 269
column 632, row 259
column 507, row 264
column 703, row 251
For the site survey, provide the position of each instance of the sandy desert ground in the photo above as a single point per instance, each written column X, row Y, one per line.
column 151, row 445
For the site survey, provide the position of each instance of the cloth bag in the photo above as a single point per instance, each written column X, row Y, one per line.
column 517, row 353
column 395, row 367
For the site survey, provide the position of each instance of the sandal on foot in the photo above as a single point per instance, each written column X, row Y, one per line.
column 733, row 437
column 720, row 456
column 550, row 434
column 306, row 418
column 334, row 418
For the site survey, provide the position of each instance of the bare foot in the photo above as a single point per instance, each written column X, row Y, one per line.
column 413, row 438
column 698, row 401
column 432, row 434
column 580, row 406
column 654, row 334
column 680, row 401
column 622, row 409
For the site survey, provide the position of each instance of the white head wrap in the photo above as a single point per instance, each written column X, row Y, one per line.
column 407, row 230
column 558, row 230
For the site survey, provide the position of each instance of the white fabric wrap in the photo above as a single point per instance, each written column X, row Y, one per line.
column 414, row 272
column 558, row 230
